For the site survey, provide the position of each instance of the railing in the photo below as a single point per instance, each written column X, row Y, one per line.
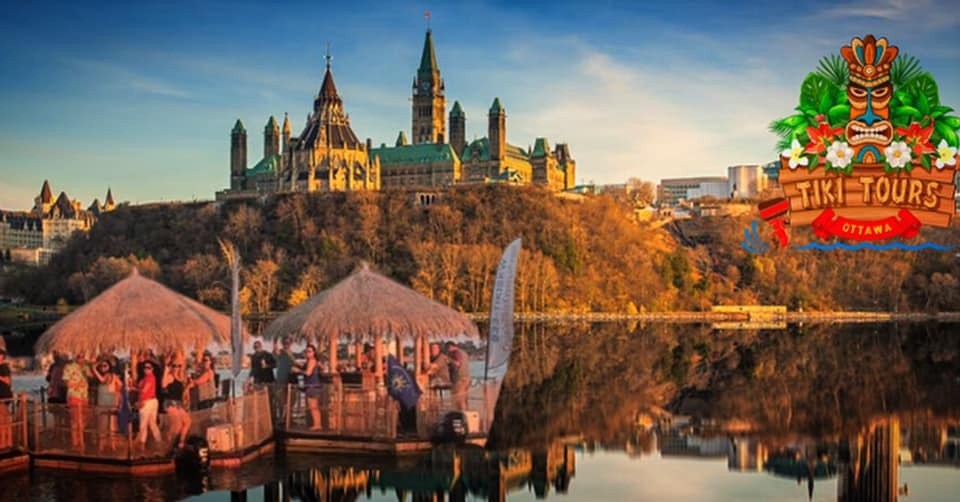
column 14, row 432
column 369, row 412
column 93, row 431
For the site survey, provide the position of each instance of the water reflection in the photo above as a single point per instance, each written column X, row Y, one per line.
column 824, row 412
column 447, row 473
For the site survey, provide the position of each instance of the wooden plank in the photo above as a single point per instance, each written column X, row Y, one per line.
column 852, row 189
column 787, row 175
column 927, row 218
column 945, row 205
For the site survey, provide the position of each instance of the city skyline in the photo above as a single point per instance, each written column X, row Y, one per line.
column 142, row 98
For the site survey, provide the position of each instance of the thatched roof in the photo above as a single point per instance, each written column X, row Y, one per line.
column 136, row 313
column 366, row 304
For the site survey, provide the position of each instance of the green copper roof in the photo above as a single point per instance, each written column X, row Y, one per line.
column 402, row 139
column 238, row 127
column 271, row 124
column 457, row 111
column 541, row 148
column 423, row 153
column 428, row 61
column 267, row 165
column 496, row 107
column 479, row 149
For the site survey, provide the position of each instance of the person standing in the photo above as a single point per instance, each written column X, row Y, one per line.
column 174, row 389
column 148, row 404
column 459, row 375
column 6, row 394
column 286, row 367
column 438, row 370
column 314, row 389
column 262, row 364
column 75, row 376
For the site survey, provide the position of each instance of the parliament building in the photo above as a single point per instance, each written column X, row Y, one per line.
column 328, row 156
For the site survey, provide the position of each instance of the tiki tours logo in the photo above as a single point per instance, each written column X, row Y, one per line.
column 870, row 155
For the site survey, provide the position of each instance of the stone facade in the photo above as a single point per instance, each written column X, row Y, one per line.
column 326, row 156
column 34, row 236
column 490, row 159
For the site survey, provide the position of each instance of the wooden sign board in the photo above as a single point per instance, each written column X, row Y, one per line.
column 870, row 194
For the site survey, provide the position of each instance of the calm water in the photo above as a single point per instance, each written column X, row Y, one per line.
column 652, row 412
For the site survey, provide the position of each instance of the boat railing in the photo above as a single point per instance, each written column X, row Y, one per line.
column 230, row 425
column 13, row 425
column 362, row 411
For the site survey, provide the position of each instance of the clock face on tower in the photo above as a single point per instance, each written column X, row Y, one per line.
column 425, row 86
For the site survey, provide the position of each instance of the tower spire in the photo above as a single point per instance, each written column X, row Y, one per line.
column 428, row 60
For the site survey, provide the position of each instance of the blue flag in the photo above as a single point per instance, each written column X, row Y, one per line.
column 124, row 414
column 400, row 385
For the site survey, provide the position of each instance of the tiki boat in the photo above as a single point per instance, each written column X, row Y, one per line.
column 389, row 407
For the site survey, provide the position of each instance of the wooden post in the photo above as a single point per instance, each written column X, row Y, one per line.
column 36, row 424
column 418, row 357
column 358, row 352
column 288, row 390
column 399, row 350
column 378, row 358
column 333, row 353
column 23, row 419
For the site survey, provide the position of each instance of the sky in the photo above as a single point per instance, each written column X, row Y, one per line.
column 141, row 96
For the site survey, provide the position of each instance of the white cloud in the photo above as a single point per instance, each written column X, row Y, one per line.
column 114, row 74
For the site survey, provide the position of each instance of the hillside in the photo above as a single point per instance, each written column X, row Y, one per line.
column 578, row 256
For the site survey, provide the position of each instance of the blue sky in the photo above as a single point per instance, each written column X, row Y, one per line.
column 141, row 96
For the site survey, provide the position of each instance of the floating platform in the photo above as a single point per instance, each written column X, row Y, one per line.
column 302, row 441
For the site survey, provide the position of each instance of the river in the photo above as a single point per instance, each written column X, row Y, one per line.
column 614, row 411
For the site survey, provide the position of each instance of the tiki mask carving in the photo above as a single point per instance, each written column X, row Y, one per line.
column 869, row 91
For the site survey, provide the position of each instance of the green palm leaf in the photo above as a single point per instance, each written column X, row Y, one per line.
column 903, row 69
column 834, row 69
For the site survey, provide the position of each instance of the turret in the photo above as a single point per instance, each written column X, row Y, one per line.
column 497, row 130
column 458, row 129
column 271, row 138
column 287, row 132
column 108, row 202
column 402, row 139
column 238, row 156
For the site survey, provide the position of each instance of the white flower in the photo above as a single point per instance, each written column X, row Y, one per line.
column 898, row 154
column 946, row 155
column 839, row 154
column 795, row 154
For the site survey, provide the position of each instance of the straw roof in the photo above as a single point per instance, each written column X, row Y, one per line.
column 136, row 313
column 366, row 304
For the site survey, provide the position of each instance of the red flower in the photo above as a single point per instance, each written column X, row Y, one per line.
column 918, row 137
column 820, row 137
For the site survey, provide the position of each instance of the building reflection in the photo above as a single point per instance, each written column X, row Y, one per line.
column 447, row 474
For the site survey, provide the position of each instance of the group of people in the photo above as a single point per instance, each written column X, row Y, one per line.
column 151, row 381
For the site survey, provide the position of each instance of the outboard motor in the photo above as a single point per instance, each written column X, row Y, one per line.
column 193, row 464
column 452, row 429
column 195, row 455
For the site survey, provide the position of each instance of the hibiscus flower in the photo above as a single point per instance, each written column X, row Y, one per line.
column 821, row 137
column 918, row 137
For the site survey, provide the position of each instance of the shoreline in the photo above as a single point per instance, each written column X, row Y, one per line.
column 701, row 317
